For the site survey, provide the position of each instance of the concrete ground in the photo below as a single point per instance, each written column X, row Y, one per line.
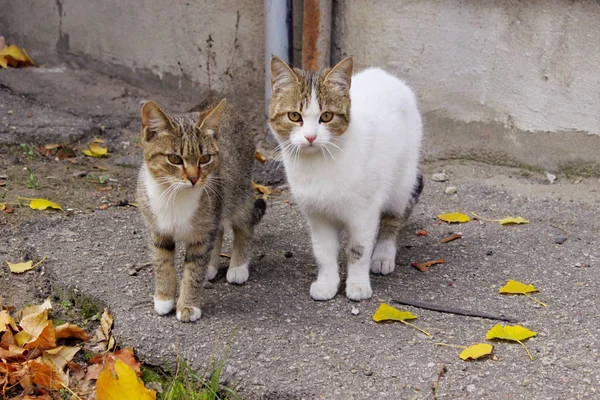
column 285, row 345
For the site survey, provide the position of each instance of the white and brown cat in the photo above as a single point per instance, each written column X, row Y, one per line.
column 351, row 150
column 195, row 179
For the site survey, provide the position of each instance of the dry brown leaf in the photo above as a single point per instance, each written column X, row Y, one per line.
column 45, row 340
column 422, row 232
column 450, row 238
column 76, row 370
column 103, row 206
column 61, row 355
column 68, row 330
column 106, row 323
column 126, row 355
column 8, row 339
column 93, row 371
column 7, row 321
column 424, row 266
column 104, row 188
column 46, row 374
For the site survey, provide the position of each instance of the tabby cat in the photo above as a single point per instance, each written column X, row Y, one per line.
column 195, row 179
column 351, row 149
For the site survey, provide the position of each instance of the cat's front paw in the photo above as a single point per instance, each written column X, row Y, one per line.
column 384, row 258
column 163, row 307
column 211, row 272
column 323, row 290
column 188, row 314
column 238, row 275
column 358, row 291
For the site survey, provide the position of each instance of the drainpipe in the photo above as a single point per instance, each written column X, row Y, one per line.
column 316, row 34
column 278, row 37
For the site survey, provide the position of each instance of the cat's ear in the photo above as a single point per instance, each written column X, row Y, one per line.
column 154, row 120
column 282, row 74
column 341, row 74
column 211, row 119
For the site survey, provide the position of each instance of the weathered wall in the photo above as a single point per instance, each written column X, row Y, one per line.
column 507, row 80
column 199, row 44
column 519, row 68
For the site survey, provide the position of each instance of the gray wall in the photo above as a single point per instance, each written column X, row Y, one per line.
column 507, row 81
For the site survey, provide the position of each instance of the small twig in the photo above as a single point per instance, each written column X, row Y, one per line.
column 450, row 345
column 453, row 310
column 70, row 391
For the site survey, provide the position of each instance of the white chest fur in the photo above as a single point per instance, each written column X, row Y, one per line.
column 173, row 213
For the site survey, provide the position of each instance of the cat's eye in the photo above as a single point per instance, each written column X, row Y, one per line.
column 326, row 116
column 205, row 159
column 294, row 116
column 175, row 159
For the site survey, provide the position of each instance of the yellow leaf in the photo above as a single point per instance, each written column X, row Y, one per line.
column 6, row 320
column 475, row 351
column 508, row 332
column 2, row 206
column 98, row 140
column 388, row 313
column 515, row 287
column 42, row 204
column 513, row 220
column 35, row 309
column 46, row 374
column 95, row 150
column 52, row 146
column 3, row 62
column 122, row 385
column 515, row 333
column 454, row 217
column 19, row 268
column 260, row 188
column 14, row 52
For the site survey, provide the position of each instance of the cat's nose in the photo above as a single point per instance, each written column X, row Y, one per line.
column 193, row 179
column 310, row 138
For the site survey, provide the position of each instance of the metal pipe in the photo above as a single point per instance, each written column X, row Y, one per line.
column 316, row 34
column 278, row 36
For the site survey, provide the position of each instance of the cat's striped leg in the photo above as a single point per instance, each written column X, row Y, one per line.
column 383, row 260
column 239, row 266
column 197, row 257
column 326, row 246
column 213, row 266
column 361, row 236
column 163, row 251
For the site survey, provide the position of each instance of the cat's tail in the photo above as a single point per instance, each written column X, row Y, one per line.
column 417, row 189
column 260, row 207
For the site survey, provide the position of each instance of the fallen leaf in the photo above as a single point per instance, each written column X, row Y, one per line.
column 93, row 372
column 46, row 374
column 45, row 340
column 65, row 152
column 106, row 322
column 124, row 384
column 424, row 266
column 13, row 353
column 98, row 140
column 35, row 309
column 52, row 146
column 475, row 351
column 515, row 287
column 95, row 150
column 15, row 57
column 454, row 217
column 513, row 220
column 8, row 339
column 76, row 370
column 422, row 232
column 386, row 312
column 103, row 206
column 260, row 188
column 7, row 321
column 126, row 355
column 61, row 355
column 514, row 333
column 9, row 209
column 259, row 157
column 504, row 221
column 104, row 188
column 451, row 238
column 44, row 151
column 42, row 204
column 68, row 330
column 19, row 268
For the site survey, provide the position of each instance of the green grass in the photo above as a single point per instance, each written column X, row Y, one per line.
column 185, row 383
